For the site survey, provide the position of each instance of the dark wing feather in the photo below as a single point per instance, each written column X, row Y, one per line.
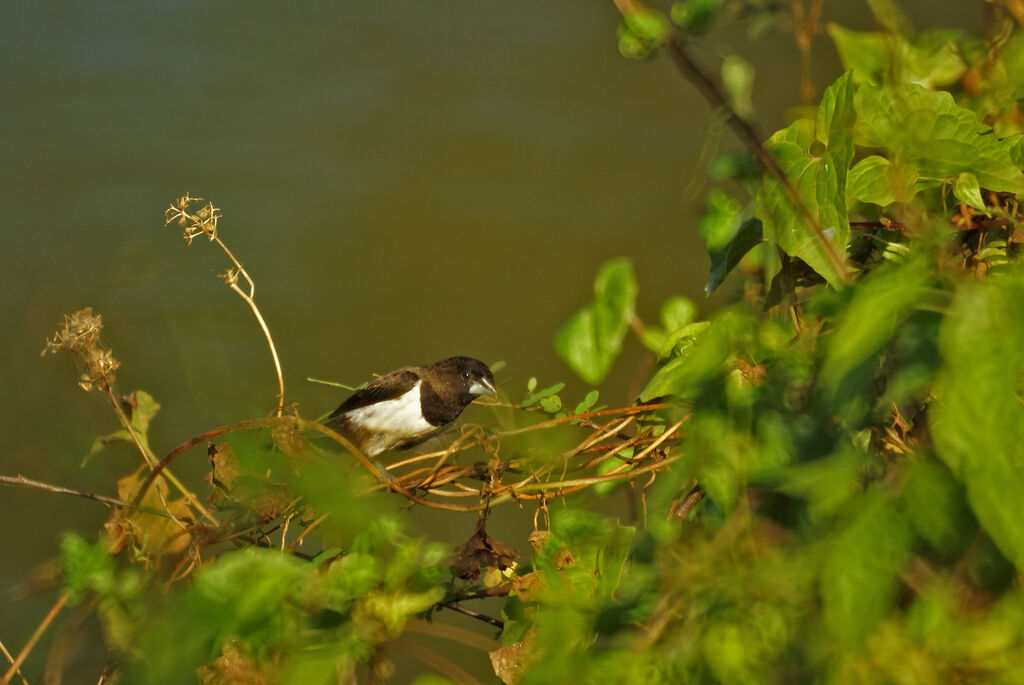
column 387, row 387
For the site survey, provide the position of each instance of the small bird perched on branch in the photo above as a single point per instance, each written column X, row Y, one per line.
column 408, row 405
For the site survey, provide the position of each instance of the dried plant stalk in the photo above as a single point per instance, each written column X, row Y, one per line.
column 203, row 221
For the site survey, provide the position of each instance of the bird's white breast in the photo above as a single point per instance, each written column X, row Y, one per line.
column 392, row 423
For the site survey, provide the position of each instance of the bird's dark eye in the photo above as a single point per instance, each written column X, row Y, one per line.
column 466, row 374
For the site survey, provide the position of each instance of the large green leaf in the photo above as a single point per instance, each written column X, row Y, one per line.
column 592, row 338
column 930, row 131
column 977, row 419
column 881, row 303
column 815, row 158
column 860, row 574
column 933, row 59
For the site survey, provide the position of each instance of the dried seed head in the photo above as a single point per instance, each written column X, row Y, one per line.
column 80, row 337
column 201, row 221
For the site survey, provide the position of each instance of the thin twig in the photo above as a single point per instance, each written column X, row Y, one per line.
column 497, row 623
column 30, row 645
column 744, row 130
column 250, row 300
column 10, row 659
column 147, row 454
column 29, row 483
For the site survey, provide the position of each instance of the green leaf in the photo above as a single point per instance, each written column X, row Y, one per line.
column 592, row 338
column 725, row 260
column 889, row 15
column 642, row 32
column 681, row 338
column 827, row 484
column 702, row 359
column 1015, row 147
column 932, row 60
column 977, row 418
column 721, row 217
column 86, row 567
column 589, row 401
column 881, row 303
column 738, row 82
column 929, row 130
column 876, row 180
column 860, row 575
column 141, row 408
column 936, row 507
column 677, row 311
column 539, row 395
column 966, row 190
column 694, row 16
column 864, row 54
column 815, row 159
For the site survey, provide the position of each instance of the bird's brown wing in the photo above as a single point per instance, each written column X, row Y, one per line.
column 387, row 387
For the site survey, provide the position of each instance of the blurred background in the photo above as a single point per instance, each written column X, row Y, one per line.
column 404, row 182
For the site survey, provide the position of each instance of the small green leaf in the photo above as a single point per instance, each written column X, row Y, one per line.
column 141, row 408
column 535, row 397
column 592, row 338
column 701, row 360
column 747, row 237
column 721, row 217
column 738, row 81
column 589, row 401
column 678, row 311
column 86, row 567
column 681, row 338
column 695, row 16
column 966, row 190
column 642, row 32
column 551, row 404
column 876, row 180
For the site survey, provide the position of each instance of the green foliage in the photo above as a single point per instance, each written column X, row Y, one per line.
column 932, row 60
column 933, row 137
column 590, row 341
column 815, row 158
column 823, row 477
column 141, row 408
column 978, row 417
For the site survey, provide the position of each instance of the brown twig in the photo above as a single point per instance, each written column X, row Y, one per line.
column 746, row 132
column 29, row 483
column 30, row 645
column 497, row 623
column 10, row 660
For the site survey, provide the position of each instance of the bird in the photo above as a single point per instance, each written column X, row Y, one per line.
column 406, row 406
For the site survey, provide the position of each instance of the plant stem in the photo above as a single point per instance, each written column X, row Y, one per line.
column 250, row 300
column 29, row 483
column 150, row 458
column 30, row 645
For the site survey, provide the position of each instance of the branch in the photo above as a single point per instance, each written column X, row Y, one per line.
column 30, row 645
column 499, row 624
column 743, row 129
column 29, row 483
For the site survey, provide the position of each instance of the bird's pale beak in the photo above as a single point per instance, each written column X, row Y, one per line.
column 483, row 387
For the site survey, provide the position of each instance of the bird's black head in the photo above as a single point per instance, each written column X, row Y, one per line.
column 470, row 376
